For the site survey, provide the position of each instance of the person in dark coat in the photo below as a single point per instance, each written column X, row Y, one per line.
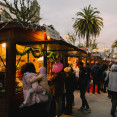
column 58, row 90
column 88, row 70
column 103, row 76
column 82, row 87
column 96, row 73
column 69, row 87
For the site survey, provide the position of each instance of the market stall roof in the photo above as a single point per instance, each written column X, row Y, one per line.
column 111, row 59
column 28, row 34
column 86, row 49
column 54, row 45
column 96, row 55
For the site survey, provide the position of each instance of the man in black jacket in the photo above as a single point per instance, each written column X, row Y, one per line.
column 96, row 73
column 82, row 87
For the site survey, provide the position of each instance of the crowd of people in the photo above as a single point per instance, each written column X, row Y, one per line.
column 57, row 97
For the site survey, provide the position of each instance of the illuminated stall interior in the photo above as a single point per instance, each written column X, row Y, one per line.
column 2, row 66
column 76, row 56
column 25, row 45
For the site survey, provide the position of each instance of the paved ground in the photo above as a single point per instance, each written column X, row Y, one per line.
column 100, row 105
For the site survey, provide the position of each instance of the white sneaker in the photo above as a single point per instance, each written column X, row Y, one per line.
column 87, row 110
column 81, row 108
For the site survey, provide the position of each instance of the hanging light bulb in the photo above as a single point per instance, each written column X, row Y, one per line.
column 40, row 59
column 4, row 45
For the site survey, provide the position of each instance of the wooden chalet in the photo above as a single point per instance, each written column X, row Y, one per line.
column 18, row 36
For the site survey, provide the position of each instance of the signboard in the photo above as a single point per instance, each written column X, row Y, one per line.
column 52, row 33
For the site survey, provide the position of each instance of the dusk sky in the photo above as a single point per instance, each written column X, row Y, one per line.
column 59, row 13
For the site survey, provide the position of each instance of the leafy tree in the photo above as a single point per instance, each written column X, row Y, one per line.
column 88, row 23
column 24, row 10
column 114, row 48
column 71, row 38
column 114, row 44
column 80, row 45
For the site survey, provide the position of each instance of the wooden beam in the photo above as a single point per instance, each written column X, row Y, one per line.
column 10, row 73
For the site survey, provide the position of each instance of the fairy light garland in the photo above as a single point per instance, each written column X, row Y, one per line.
column 30, row 50
column 53, row 56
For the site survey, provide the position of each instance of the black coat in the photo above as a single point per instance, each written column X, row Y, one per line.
column 70, row 83
column 82, row 78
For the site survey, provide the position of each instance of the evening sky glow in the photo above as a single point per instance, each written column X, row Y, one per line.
column 59, row 13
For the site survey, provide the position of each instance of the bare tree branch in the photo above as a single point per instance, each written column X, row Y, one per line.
column 24, row 10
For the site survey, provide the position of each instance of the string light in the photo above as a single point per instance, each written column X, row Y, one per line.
column 4, row 45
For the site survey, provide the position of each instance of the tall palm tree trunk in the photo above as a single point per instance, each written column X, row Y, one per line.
column 87, row 39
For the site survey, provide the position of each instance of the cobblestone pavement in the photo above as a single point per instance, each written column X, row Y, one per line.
column 100, row 105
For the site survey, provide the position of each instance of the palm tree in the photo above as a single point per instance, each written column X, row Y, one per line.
column 88, row 23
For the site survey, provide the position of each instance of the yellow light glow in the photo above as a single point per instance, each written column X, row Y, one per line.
column 40, row 59
column 48, row 37
column 4, row 45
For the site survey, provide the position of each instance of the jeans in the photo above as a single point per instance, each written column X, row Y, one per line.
column 82, row 96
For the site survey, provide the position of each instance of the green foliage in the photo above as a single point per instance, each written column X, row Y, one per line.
column 71, row 38
column 88, row 23
column 114, row 44
column 53, row 56
column 30, row 50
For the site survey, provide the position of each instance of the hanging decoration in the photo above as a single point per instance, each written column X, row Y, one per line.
column 3, row 61
column 30, row 50
column 53, row 56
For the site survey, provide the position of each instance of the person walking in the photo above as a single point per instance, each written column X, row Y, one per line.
column 96, row 73
column 70, row 85
column 103, row 76
column 88, row 70
column 112, row 86
column 82, row 87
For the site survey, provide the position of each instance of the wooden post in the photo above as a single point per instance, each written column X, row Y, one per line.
column 45, row 59
column 10, row 73
column 28, row 57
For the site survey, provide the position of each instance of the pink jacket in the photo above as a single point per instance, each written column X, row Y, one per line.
column 26, row 86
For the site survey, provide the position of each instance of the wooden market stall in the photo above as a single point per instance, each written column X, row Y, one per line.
column 75, row 56
column 22, row 42
column 96, row 58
